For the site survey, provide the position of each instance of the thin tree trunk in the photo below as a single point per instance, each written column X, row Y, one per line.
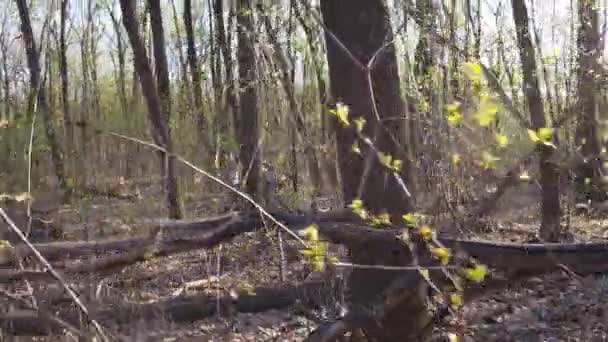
column 549, row 174
column 158, row 119
column 63, row 70
column 587, row 137
column 222, row 119
column 201, row 120
column 246, row 126
column 33, row 63
column 122, row 74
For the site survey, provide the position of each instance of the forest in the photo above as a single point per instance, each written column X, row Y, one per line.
column 303, row 170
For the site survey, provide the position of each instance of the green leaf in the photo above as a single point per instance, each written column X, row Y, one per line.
column 311, row 233
column 443, row 254
column 409, row 219
column 473, row 71
column 476, row 273
column 502, row 140
column 341, row 112
column 541, row 136
column 425, row 232
column 456, row 300
column 359, row 123
column 486, row 114
column 385, row 159
column 454, row 118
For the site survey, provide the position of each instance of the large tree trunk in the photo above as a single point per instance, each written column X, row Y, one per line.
column 589, row 49
column 363, row 26
column 246, row 125
column 549, row 173
column 33, row 63
column 158, row 119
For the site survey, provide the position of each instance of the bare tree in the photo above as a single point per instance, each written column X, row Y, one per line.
column 63, row 70
column 158, row 119
column 246, row 125
column 549, row 173
column 38, row 91
column 196, row 76
column 589, row 50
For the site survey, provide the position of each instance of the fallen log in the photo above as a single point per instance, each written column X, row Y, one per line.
column 338, row 227
column 178, row 309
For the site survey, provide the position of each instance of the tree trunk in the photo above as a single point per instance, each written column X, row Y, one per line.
column 122, row 75
column 589, row 49
column 63, row 70
column 363, row 26
column 201, row 120
column 222, row 119
column 6, row 83
column 158, row 119
column 246, row 125
column 549, row 173
column 33, row 63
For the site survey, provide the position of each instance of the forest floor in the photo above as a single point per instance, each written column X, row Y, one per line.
column 554, row 307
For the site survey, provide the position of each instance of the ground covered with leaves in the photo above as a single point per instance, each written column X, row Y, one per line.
column 561, row 306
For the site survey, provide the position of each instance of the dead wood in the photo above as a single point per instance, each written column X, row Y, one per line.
column 338, row 227
column 179, row 309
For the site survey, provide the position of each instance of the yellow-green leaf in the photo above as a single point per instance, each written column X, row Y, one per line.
column 311, row 233
column 545, row 133
column 342, row 113
column 454, row 118
column 541, row 136
column 355, row 148
column 456, row 300
column 381, row 219
column 473, row 71
column 456, row 158
column 409, row 219
column 425, row 232
column 385, row 159
column 442, row 254
column 359, row 123
column 476, row 273
column 502, row 140
column 356, row 204
column 397, row 165
column 486, row 114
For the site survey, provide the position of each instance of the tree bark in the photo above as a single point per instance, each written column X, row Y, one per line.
column 549, row 173
column 246, row 125
column 589, row 49
column 158, row 119
column 33, row 63
column 363, row 26
column 200, row 118
column 222, row 120
column 63, row 70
